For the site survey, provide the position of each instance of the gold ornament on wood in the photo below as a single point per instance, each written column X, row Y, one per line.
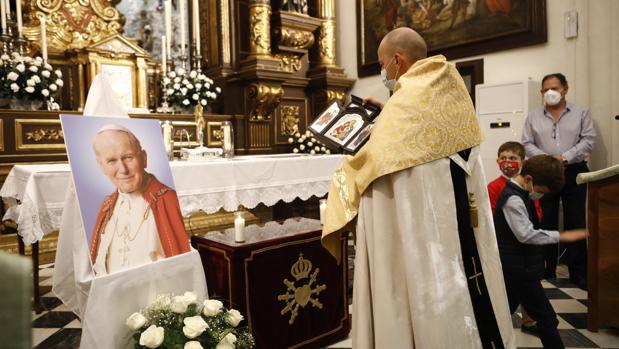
column 259, row 22
column 290, row 119
column 299, row 39
column 289, row 62
column 264, row 99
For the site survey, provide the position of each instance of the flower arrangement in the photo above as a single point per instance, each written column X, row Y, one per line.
column 306, row 143
column 23, row 77
column 172, row 322
column 187, row 90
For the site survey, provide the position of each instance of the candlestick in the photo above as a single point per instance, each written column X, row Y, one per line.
column 164, row 65
column 239, row 227
column 3, row 15
column 181, row 9
column 196, row 25
column 20, row 25
column 323, row 210
column 43, row 38
column 168, row 24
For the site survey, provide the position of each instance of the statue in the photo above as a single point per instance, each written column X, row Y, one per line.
column 200, row 124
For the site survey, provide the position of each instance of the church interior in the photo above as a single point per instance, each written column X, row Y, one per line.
column 247, row 109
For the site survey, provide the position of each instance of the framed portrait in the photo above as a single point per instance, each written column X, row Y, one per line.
column 472, row 73
column 325, row 118
column 345, row 128
column 454, row 28
column 360, row 139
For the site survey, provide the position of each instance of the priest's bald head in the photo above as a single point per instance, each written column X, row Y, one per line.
column 398, row 51
column 121, row 158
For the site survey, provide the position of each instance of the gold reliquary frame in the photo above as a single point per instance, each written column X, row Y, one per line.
column 124, row 62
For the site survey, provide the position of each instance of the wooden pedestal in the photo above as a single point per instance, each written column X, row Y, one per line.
column 290, row 290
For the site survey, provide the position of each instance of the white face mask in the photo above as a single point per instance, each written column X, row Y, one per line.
column 552, row 97
column 389, row 84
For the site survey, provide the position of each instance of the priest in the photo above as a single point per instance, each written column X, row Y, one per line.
column 427, row 268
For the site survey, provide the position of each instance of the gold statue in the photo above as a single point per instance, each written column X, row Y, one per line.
column 200, row 124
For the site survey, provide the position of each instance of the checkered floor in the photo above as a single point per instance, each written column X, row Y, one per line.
column 57, row 327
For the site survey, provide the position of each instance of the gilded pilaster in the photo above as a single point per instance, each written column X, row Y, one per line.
column 260, row 28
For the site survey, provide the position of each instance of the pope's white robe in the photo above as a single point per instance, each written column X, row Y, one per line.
column 410, row 288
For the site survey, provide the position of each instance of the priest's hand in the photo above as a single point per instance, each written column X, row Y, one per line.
column 373, row 100
column 572, row 235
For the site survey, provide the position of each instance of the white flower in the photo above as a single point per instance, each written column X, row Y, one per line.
column 207, row 85
column 189, row 86
column 170, row 92
column 195, row 97
column 309, row 144
column 313, row 139
column 180, row 71
column 297, row 135
column 317, row 148
column 14, row 87
column 184, row 90
column 177, row 80
column 20, row 67
column 37, row 63
column 191, row 296
column 233, row 317
column 201, row 77
column 33, row 69
column 227, row 342
column 212, row 307
column 5, row 57
column 172, row 74
column 48, row 66
column 301, row 147
column 27, row 59
column 53, row 87
column 29, row 89
column 36, row 79
column 30, row 82
column 198, row 86
column 193, row 345
column 135, row 321
column 166, row 81
column 203, row 102
column 194, row 326
column 307, row 134
column 179, row 304
column 193, row 74
column 327, row 151
column 59, row 82
column 290, row 140
column 12, row 76
column 323, row 148
column 45, row 92
column 295, row 150
column 209, row 80
column 58, row 73
column 46, row 73
column 185, row 102
column 312, row 152
column 214, row 95
column 176, row 86
column 185, row 81
column 217, row 89
column 152, row 337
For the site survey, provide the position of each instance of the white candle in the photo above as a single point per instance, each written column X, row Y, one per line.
column 227, row 139
column 164, row 59
column 196, row 24
column 167, row 136
column 323, row 210
column 168, row 24
column 43, row 39
column 18, row 16
column 3, row 15
column 8, row 10
column 239, row 227
column 181, row 9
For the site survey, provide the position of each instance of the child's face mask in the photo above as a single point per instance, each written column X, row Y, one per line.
column 509, row 168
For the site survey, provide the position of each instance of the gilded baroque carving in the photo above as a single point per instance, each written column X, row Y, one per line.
column 289, row 62
column 45, row 134
column 296, row 38
column 299, row 6
column 72, row 24
column 326, row 42
column 264, row 99
column 260, row 37
column 333, row 95
column 290, row 119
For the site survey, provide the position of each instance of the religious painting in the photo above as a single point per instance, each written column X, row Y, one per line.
column 359, row 140
column 454, row 28
column 345, row 128
column 124, row 187
column 324, row 119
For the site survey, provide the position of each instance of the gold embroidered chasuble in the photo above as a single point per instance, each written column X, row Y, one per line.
column 430, row 116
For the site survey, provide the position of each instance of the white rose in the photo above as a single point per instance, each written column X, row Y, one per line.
column 212, row 307
column 135, row 321
column 152, row 337
column 313, row 139
column 170, row 92
column 177, row 80
column 28, row 59
column 14, row 87
column 48, row 66
column 209, row 80
column 180, row 71
column 217, row 89
column 33, row 69
column 30, row 82
column 191, row 297
column 46, row 73
column 207, row 85
column 12, row 76
column 295, row 150
column 193, row 345
column 233, row 317
column 166, row 81
column 176, row 86
column 185, row 81
column 198, row 86
column 227, row 342
column 317, row 148
column 21, row 68
column 290, row 140
column 312, row 152
column 36, row 79
column 309, row 144
column 203, row 102
column 172, row 74
column 179, row 304
column 194, row 326
column 29, row 89
column 189, row 86
column 327, row 151
column 214, row 95
column 5, row 57
column 307, row 134
column 58, row 73
column 59, row 82
column 323, row 148
column 297, row 134
column 45, row 92
column 301, row 147
column 193, row 74
column 195, row 97
column 184, row 90
column 185, row 102
column 202, row 77
column 53, row 87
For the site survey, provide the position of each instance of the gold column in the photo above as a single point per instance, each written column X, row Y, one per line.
column 326, row 39
column 260, row 27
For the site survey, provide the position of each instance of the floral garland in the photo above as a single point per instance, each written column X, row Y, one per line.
column 306, row 143
column 24, row 77
column 186, row 90
column 172, row 322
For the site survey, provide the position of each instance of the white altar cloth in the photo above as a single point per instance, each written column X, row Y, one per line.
column 206, row 185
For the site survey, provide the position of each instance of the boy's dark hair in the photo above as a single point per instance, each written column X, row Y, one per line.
column 514, row 147
column 559, row 76
column 545, row 170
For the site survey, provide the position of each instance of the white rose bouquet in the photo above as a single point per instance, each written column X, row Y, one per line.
column 306, row 143
column 24, row 77
column 188, row 89
column 173, row 322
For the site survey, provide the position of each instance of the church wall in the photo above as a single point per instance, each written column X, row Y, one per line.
column 589, row 62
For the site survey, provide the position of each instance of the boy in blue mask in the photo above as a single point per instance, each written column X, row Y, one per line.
column 520, row 241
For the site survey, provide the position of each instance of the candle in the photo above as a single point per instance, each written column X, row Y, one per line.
column 43, row 39
column 181, row 9
column 3, row 15
column 323, row 210
column 164, row 58
column 196, row 25
column 239, row 227
column 8, row 10
column 167, row 138
column 18, row 16
column 227, row 139
column 168, row 25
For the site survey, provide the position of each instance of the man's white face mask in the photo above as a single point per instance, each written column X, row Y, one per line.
column 389, row 84
column 552, row 97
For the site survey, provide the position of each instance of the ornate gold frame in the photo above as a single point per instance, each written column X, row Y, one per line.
column 19, row 142
column 276, row 128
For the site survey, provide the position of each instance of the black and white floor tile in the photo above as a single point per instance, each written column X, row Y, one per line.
column 57, row 327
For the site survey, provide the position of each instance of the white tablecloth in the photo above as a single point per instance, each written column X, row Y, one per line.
column 208, row 185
